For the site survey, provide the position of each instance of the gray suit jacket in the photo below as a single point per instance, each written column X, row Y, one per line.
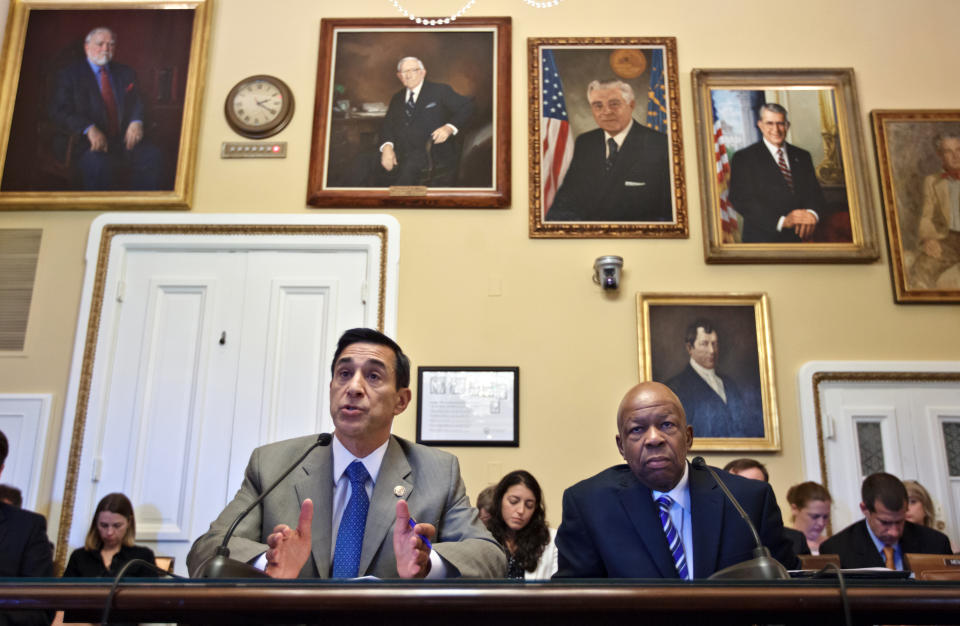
column 431, row 485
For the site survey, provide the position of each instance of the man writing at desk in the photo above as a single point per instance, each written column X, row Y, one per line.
column 657, row 516
column 365, row 486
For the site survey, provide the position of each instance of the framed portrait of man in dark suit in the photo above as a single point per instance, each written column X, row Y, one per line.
column 412, row 115
column 714, row 352
column 605, row 149
column 783, row 175
column 102, row 103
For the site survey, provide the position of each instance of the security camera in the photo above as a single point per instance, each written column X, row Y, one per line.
column 606, row 271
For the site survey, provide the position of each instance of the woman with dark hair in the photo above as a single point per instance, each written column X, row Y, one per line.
column 109, row 544
column 810, row 509
column 519, row 523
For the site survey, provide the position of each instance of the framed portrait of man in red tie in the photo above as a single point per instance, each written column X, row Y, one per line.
column 101, row 103
column 782, row 167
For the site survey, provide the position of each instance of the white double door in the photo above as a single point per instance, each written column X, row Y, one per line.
column 910, row 429
column 214, row 353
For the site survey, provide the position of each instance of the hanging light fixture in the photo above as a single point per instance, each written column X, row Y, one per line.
column 446, row 20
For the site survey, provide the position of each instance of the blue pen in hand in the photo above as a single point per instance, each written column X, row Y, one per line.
column 413, row 524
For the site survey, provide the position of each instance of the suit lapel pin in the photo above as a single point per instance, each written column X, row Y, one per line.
column 399, row 491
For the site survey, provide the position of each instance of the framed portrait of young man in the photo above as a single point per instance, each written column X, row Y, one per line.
column 606, row 156
column 783, row 176
column 918, row 155
column 714, row 352
column 410, row 115
column 100, row 103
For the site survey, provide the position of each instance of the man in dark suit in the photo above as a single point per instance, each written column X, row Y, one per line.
column 418, row 141
column 713, row 402
column 657, row 516
column 400, row 480
column 883, row 536
column 620, row 172
column 773, row 185
column 25, row 550
column 99, row 99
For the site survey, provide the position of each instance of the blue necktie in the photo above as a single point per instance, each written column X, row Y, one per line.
column 673, row 537
column 346, row 556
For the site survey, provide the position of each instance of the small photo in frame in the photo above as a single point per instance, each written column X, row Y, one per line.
column 409, row 115
column 783, row 174
column 468, row 406
column 714, row 352
column 918, row 155
column 606, row 155
column 101, row 103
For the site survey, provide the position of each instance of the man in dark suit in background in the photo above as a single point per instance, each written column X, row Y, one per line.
column 25, row 550
column 620, row 172
column 99, row 99
column 883, row 536
column 657, row 516
column 714, row 404
column 773, row 185
column 418, row 143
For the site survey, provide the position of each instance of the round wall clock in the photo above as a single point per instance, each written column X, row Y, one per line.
column 259, row 106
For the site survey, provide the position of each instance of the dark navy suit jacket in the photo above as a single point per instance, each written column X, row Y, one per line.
column 437, row 104
column 856, row 548
column 706, row 411
column 25, row 551
column 77, row 102
column 636, row 189
column 611, row 527
column 761, row 195
column 24, row 547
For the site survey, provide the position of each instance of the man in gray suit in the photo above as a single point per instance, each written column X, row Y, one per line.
column 401, row 481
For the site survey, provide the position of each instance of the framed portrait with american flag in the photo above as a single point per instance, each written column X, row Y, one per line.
column 783, row 175
column 606, row 153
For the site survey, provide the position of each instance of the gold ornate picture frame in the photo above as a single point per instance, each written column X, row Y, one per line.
column 750, row 208
column 52, row 106
column 714, row 351
column 918, row 157
column 578, row 187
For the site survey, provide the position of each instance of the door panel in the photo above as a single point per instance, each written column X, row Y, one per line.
column 214, row 353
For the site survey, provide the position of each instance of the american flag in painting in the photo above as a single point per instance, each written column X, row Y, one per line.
column 657, row 95
column 557, row 148
column 728, row 219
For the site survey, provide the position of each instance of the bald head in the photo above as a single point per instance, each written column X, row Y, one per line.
column 649, row 393
column 653, row 435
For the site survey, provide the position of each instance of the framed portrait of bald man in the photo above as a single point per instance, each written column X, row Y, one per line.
column 100, row 103
column 412, row 114
column 714, row 352
column 783, row 175
column 606, row 155
column 918, row 155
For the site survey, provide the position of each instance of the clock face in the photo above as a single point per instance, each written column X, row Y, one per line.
column 259, row 106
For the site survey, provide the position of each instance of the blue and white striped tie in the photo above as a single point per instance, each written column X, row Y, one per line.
column 673, row 537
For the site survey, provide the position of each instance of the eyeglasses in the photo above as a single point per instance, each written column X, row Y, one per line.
column 410, row 72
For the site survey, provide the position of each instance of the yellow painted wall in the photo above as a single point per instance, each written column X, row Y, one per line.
column 576, row 348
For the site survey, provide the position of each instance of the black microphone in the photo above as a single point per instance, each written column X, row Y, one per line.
column 762, row 565
column 220, row 565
